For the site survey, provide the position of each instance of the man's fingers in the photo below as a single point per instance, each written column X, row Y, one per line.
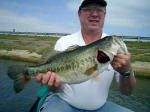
column 57, row 81
column 51, row 80
column 38, row 78
column 123, row 55
column 122, row 58
column 46, row 78
column 116, row 65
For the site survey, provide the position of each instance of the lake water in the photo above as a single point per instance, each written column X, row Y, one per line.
column 139, row 101
column 9, row 100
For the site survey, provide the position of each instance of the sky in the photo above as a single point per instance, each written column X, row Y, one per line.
column 124, row 17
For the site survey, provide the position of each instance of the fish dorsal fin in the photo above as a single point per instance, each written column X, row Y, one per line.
column 72, row 47
column 91, row 70
column 47, row 55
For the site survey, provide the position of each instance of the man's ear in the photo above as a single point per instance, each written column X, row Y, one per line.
column 79, row 13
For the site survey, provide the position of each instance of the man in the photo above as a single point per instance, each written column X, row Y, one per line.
column 89, row 96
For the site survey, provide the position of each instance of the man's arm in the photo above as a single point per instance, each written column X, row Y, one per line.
column 121, row 63
column 126, row 84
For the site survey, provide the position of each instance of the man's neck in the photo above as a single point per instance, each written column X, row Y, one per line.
column 90, row 37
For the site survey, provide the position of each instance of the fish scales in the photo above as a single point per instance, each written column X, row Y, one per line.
column 72, row 64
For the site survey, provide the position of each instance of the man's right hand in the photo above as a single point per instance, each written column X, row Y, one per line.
column 50, row 78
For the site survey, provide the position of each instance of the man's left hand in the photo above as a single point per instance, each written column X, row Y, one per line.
column 121, row 62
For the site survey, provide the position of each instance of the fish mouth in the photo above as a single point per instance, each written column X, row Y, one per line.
column 102, row 57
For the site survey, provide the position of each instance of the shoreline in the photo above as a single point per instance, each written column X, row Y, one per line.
column 20, row 55
column 141, row 69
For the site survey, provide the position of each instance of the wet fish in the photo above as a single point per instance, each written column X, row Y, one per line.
column 75, row 65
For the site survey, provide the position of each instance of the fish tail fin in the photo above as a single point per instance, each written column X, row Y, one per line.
column 20, row 76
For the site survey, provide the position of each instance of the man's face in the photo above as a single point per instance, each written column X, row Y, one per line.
column 92, row 17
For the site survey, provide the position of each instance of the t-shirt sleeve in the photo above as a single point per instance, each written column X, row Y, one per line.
column 58, row 46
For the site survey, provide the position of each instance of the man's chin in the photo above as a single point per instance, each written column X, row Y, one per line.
column 94, row 28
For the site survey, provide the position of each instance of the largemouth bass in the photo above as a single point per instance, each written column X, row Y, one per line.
column 75, row 65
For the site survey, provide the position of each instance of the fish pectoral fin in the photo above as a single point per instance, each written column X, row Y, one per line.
column 47, row 55
column 91, row 70
column 96, row 77
column 72, row 48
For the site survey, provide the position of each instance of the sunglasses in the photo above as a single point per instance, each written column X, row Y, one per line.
column 91, row 9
